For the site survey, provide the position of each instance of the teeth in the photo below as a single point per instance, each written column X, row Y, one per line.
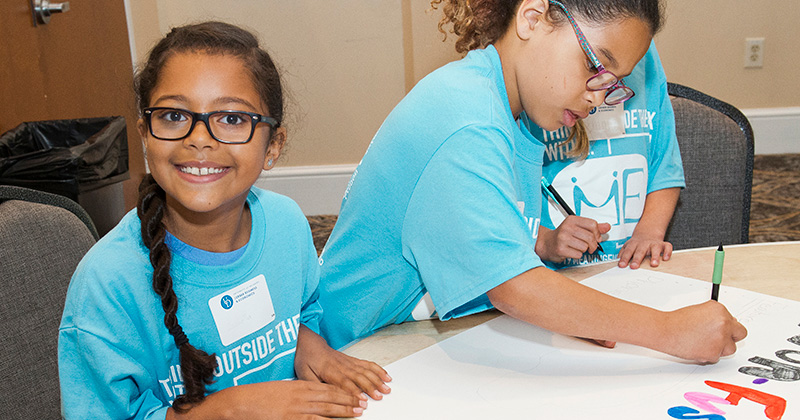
column 201, row 171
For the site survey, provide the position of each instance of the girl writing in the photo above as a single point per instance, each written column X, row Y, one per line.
column 202, row 301
column 441, row 216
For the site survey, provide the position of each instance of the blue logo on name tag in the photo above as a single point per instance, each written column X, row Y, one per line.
column 226, row 302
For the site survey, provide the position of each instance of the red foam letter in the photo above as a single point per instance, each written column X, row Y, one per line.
column 775, row 406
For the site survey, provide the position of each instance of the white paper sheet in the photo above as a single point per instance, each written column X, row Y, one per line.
column 506, row 368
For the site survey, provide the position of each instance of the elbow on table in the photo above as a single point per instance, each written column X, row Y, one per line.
column 515, row 296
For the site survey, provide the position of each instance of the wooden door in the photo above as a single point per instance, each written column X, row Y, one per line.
column 76, row 66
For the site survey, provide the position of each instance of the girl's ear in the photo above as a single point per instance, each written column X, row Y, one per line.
column 275, row 148
column 531, row 14
column 141, row 126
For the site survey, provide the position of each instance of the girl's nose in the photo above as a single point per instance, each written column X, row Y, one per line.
column 200, row 137
column 596, row 97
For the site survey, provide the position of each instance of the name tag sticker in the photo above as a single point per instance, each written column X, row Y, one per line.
column 242, row 310
column 606, row 122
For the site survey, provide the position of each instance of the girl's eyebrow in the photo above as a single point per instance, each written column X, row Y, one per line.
column 612, row 61
column 178, row 98
column 236, row 100
column 219, row 101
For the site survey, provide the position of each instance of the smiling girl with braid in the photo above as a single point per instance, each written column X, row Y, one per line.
column 201, row 302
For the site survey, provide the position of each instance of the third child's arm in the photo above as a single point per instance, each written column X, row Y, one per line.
column 701, row 333
column 648, row 236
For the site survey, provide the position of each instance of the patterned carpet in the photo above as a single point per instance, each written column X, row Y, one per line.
column 775, row 208
column 774, row 212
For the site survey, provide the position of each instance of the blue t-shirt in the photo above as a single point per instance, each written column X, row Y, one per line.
column 633, row 152
column 117, row 359
column 434, row 215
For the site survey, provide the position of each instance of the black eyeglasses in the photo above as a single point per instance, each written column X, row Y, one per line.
column 229, row 127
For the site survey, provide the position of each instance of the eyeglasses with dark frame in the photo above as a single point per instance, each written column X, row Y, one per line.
column 617, row 91
column 229, row 127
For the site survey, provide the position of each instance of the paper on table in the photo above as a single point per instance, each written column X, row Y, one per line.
column 505, row 368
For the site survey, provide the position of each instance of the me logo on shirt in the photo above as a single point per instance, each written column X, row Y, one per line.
column 226, row 302
column 608, row 189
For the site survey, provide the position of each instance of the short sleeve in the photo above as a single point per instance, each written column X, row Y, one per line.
column 99, row 380
column 311, row 311
column 463, row 230
column 103, row 374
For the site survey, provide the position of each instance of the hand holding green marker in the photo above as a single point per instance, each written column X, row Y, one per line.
column 716, row 278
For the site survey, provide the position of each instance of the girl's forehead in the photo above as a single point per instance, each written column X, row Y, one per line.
column 207, row 79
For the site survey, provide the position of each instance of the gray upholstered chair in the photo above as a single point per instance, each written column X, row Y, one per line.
column 42, row 238
column 716, row 143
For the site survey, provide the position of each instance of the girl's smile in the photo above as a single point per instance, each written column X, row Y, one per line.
column 202, row 172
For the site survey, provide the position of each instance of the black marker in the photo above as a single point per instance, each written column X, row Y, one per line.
column 551, row 191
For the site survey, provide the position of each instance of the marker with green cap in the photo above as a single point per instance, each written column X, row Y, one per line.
column 716, row 278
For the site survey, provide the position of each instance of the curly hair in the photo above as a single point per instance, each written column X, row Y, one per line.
column 476, row 23
column 479, row 23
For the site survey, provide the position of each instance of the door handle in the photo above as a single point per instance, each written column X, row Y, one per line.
column 43, row 9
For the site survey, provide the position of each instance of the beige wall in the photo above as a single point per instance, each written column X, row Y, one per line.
column 702, row 46
column 342, row 64
column 347, row 63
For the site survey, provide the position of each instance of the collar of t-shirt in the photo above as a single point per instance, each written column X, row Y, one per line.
column 200, row 256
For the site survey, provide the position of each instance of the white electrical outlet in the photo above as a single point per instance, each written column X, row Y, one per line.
column 753, row 52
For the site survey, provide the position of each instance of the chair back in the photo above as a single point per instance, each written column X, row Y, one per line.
column 716, row 143
column 43, row 236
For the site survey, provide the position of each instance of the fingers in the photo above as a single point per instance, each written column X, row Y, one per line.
column 739, row 332
column 667, row 254
column 328, row 410
column 358, row 376
column 366, row 377
column 303, row 399
column 636, row 250
column 603, row 228
column 330, row 401
column 660, row 249
column 603, row 343
column 577, row 235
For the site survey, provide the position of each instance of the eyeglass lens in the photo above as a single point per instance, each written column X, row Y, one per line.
column 226, row 126
column 602, row 80
column 618, row 95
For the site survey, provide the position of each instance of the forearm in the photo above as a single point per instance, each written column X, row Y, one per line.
column 543, row 236
column 549, row 300
column 220, row 405
column 659, row 207
column 310, row 347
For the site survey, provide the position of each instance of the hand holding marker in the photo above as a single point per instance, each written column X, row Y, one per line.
column 551, row 191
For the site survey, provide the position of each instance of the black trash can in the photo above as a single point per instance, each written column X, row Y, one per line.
column 83, row 159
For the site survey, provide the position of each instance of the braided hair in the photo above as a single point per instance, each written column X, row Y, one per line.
column 197, row 366
column 478, row 23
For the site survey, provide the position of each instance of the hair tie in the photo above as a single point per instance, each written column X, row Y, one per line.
column 179, row 336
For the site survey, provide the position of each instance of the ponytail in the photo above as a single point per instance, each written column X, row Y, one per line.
column 197, row 366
